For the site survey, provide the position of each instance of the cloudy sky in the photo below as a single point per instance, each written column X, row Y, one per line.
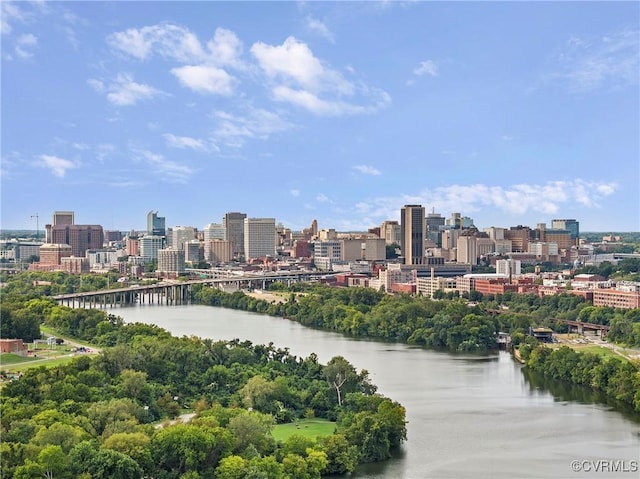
column 507, row 112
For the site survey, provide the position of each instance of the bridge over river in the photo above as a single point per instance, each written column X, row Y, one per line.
column 579, row 327
column 179, row 292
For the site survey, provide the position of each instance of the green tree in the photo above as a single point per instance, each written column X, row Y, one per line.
column 256, row 393
column 182, row 448
column 342, row 457
column 133, row 444
column 231, row 467
column 65, row 436
column 337, row 372
column 252, row 428
column 54, row 462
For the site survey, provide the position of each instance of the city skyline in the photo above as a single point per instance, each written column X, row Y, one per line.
column 506, row 112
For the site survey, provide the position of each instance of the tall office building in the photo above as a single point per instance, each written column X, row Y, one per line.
column 508, row 267
column 193, row 252
column 149, row 245
column 413, row 232
column 520, row 237
column 218, row 251
column 259, row 237
column 155, row 224
column 214, row 231
column 435, row 222
column 63, row 218
column 234, row 231
column 60, row 218
column 181, row 234
column 459, row 222
column 572, row 226
column 171, row 260
column 471, row 245
column 79, row 237
column 390, row 232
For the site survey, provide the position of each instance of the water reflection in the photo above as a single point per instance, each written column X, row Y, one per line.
column 565, row 392
column 470, row 415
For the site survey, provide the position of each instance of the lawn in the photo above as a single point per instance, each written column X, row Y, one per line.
column 32, row 362
column 9, row 358
column 600, row 351
column 306, row 427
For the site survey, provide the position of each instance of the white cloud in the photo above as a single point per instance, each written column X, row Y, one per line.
column 225, row 49
column 183, row 142
column 205, row 79
column 515, row 201
column 126, row 184
column 256, row 124
column 125, row 92
column 57, row 165
column 166, row 40
column 322, row 198
column 585, row 65
column 427, row 67
column 367, row 170
column 313, row 103
column 10, row 12
column 104, row 151
column 168, row 170
column 97, row 85
column 320, row 28
column 296, row 76
column 293, row 62
column 24, row 44
column 295, row 193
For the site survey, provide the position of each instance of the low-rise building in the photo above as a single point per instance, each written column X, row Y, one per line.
column 616, row 298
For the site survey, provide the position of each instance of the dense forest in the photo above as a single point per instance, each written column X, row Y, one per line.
column 448, row 322
column 102, row 417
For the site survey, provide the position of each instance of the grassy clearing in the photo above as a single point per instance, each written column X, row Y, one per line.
column 602, row 351
column 36, row 362
column 305, row 427
column 9, row 359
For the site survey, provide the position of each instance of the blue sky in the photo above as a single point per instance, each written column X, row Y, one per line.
column 507, row 112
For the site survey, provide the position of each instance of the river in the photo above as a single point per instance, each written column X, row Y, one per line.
column 469, row 416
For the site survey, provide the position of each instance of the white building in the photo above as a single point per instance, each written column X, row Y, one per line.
column 331, row 249
column 182, row 234
column 508, row 267
column 170, row 260
column 259, row 237
column 214, row 231
column 395, row 274
column 149, row 246
column 103, row 258
column 427, row 285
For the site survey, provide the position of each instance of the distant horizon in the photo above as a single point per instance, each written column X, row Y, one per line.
column 506, row 112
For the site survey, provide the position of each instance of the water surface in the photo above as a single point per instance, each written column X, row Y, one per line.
column 470, row 416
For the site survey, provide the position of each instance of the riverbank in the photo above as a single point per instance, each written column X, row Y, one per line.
column 454, row 401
